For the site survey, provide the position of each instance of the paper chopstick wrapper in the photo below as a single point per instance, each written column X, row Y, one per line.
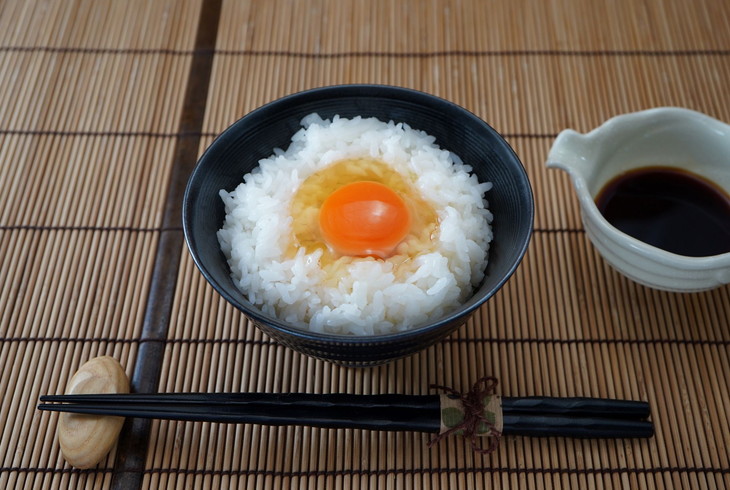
column 453, row 413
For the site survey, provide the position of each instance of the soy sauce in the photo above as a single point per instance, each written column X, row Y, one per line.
column 671, row 209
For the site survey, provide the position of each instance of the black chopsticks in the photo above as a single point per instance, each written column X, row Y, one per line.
column 530, row 416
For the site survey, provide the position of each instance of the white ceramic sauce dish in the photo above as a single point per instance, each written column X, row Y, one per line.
column 667, row 137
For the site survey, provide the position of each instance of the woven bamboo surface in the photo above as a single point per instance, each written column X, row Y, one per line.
column 104, row 107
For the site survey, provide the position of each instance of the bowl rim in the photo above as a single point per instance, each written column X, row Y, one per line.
column 350, row 90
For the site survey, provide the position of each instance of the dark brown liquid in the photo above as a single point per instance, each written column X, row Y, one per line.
column 671, row 209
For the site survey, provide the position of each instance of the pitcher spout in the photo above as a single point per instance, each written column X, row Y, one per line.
column 570, row 152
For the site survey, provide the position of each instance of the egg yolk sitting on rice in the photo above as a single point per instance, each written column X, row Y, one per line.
column 364, row 218
column 361, row 208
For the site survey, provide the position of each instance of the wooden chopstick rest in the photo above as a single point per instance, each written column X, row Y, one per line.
column 86, row 439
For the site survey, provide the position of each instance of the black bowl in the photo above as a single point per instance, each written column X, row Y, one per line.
column 239, row 148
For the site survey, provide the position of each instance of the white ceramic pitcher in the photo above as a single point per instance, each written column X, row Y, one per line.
column 667, row 137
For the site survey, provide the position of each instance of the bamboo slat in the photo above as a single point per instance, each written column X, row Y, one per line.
column 102, row 181
column 91, row 92
column 104, row 25
column 329, row 26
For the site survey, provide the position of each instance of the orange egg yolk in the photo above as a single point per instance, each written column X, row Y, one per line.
column 363, row 219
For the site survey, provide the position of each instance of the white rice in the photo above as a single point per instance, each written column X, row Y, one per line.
column 371, row 296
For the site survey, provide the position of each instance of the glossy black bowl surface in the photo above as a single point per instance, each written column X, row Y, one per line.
column 239, row 148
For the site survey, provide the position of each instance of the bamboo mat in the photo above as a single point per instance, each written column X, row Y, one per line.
column 104, row 108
